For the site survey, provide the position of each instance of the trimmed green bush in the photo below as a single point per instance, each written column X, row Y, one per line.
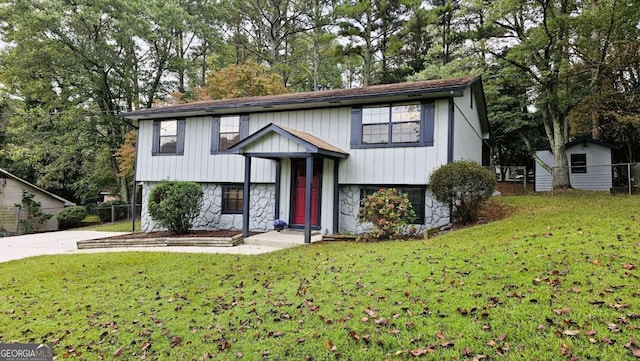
column 389, row 210
column 465, row 185
column 71, row 217
column 174, row 205
column 121, row 210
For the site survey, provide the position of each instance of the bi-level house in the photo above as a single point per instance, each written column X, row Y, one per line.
column 309, row 158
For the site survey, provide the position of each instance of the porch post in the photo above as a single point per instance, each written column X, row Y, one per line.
column 276, row 208
column 336, row 196
column 307, row 200
column 245, row 196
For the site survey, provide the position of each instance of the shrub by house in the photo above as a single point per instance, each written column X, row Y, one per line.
column 465, row 185
column 174, row 205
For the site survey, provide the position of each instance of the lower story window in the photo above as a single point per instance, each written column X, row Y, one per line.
column 416, row 196
column 232, row 199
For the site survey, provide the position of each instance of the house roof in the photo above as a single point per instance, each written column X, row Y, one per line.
column 335, row 97
column 581, row 140
column 311, row 143
column 66, row 202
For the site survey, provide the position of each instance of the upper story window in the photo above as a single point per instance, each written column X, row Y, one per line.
column 579, row 163
column 168, row 137
column 228, row 130
column 392, row 125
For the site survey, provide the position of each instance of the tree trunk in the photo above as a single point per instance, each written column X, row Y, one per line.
column 561, row 179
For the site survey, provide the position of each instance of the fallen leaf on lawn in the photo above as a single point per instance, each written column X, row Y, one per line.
column 354, row 335
column 571, row 332
column 382, row 322
column 118, row 352
column 636, row 352
column 440, row 335
column 502, row 337
column 175, row 341
column 328, row 345
column 562, row 311
column 479, row 357
column 628, row 266
column 371, row 313
column 466, row 352
column 596, row 262
column 491, row 343
column 145, row 346
column 239, row 354
column 590, row 332
column 618, row 306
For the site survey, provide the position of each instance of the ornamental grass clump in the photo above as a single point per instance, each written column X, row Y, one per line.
column 389, row 211
column 465, row 185
column 174, row 205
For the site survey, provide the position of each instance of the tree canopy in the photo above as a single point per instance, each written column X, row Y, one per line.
column 553, row 69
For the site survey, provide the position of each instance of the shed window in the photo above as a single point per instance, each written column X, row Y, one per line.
column 416, row 196
column 579, row 163
column 168, row 137
column 392, row 125
column 232, row 199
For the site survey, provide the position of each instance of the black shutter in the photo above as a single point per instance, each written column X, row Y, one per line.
column 215, row 134
column 180, row 137
column 155, row 147
column 427, row 124
column 244, row 126
column 356, row 127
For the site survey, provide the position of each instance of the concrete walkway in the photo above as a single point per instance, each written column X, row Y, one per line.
column 64, row 242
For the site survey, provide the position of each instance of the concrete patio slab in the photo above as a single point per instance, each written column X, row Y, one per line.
column 283, row 239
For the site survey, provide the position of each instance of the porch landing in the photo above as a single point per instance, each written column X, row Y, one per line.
column 284, row 239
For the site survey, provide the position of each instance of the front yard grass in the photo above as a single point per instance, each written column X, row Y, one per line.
column 557, row 280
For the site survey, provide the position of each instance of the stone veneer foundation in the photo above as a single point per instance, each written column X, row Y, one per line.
column 436, row 213
column 263, row 204
column 211, row 217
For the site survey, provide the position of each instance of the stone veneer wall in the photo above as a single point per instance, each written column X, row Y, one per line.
column 211, row 217
column 436, row 213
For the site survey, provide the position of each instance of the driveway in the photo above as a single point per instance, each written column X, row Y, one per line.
column 29, row 245
column 64, row 242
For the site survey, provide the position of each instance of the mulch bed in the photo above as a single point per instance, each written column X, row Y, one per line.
column 491, row 211
column 222, row 233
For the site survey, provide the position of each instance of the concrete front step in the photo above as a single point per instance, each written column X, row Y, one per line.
column 162, row 242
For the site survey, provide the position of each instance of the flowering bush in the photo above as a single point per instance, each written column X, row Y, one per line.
column 389, row 210
column 279, row 223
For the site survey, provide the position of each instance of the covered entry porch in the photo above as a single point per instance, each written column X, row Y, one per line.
column 306, row 177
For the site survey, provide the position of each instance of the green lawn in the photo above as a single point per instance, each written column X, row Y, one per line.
column 123, row 226
column 557, row 280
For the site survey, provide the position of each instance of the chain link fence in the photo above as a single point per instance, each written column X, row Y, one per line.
column 513, row 179
column 11, row 217
column 614, row 178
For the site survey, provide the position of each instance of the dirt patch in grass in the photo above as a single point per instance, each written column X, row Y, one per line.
column 221, row 233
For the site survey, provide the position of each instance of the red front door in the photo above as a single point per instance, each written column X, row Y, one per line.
column 299, row 188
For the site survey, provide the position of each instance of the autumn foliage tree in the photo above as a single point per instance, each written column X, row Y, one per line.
column 243, row 80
